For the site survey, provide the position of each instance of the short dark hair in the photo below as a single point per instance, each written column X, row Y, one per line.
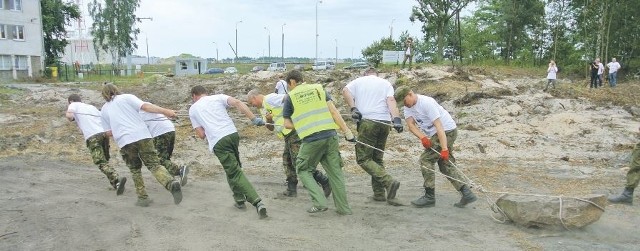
column 295, row 75
column 198, row 90
column 74, row 98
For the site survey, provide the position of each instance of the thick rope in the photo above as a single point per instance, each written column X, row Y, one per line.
column 495, row 208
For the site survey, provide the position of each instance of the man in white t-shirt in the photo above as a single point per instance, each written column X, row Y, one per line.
column 88, row 119
column 164, row 138
column 437, row 132
column 281, row 85
column 600, row 72
column 373, row 107
column 613, row 66
column 270, row 107
column 121, row 116
column 210, row 120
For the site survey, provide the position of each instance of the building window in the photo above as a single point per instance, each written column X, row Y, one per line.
column 183, row 65
column 18, row 32
column 3, row 30
column 2, row 4
column 5, row 62
column 20, row 63
column 15, row 4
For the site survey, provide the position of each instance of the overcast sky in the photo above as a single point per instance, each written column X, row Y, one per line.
column 178, row 27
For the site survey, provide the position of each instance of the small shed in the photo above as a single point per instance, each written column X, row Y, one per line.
column 190, row 66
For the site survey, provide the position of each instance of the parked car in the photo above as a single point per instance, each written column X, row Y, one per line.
column 231, row 70
column 257, row 68
column 358, row 65
column 277, row 67
column 322, row 65
column 214, row 71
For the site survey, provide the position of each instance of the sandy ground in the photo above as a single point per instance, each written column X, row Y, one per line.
column 53, row 198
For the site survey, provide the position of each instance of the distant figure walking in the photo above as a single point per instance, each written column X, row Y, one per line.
column 552, row 70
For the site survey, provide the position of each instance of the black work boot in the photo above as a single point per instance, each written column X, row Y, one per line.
column 426, row 200
column 292, row 188
column 467, row 197
column 323, row 180
column 625, row 198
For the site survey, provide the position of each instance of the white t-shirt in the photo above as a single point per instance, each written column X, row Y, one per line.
column 600, row 68
column 551, row 72
column 425, row 111
column 370, row 94
column 157, row 123
column 210, row 113
column 87, row 117
column 281, row 87
column 613, row 67
column 122, row 116
column 275, row 99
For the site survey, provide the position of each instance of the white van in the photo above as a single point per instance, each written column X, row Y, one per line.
column 277, row 67
column 323, row 65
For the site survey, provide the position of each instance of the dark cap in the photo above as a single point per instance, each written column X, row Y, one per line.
column 400, row 93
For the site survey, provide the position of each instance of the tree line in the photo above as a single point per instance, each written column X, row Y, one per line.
column 523, row 33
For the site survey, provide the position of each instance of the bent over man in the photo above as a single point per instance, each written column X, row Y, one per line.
column 88, row 119
column 164, row 138
column 309, row 110
column 372, row 107
column 121, row 116
column 210, row 119
column 437, row 132
column 633, row 178
column 270, row 107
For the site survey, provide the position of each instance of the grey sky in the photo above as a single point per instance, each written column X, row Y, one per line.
column 192, row 28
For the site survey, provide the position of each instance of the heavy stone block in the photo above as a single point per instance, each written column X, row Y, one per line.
column 544, row 212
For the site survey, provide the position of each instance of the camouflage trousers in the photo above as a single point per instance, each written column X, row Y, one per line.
column 98, row 146
column 428, row 158
column 374, row 134
column 142, row 151
column 633, row 175
column 164, row 145
column 227, row 152
column 292, row 144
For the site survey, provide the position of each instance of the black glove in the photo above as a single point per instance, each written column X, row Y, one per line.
column 355, row 114
column 397, row 124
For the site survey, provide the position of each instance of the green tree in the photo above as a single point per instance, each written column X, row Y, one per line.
column 435, row 16
column 113, row 27
column 56, row 14
column 373, row 52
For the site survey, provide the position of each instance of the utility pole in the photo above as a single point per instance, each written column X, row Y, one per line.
column 336, row 51
column 283, row 41
column 391, row 29
column 236, row 50
column 217, row 62
column 317, row 2
column 146, row 42
column 269, row 40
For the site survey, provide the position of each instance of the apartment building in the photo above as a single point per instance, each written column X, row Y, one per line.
column 21, row 39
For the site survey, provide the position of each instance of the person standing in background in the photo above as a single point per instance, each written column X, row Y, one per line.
column 613, row 66
column 408, row 52
column 552, row 70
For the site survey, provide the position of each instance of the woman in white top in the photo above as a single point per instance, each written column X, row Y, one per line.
column 551, row 74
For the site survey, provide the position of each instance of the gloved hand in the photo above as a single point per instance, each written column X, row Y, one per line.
column 444, row 154
column 397, row 124
column 349, row 136
column 257, row 121
column 355, row 114
column 426, row 142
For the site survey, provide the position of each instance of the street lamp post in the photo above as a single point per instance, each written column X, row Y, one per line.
column 146, row 44
column 216, row 52
column 283, row 41
column 237, row 39
column 268, row 40
column 391, row 29
column 336, row 51
column 317, row 2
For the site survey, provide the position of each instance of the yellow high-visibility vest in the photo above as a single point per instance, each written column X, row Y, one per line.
column 278, row 120
column 311, row 113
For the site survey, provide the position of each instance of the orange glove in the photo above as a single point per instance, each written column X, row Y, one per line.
column 444, row 154
column 426, row 142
